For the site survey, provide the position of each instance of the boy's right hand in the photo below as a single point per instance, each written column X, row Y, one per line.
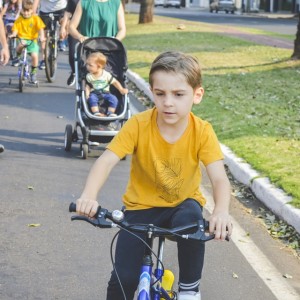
column 86, row 207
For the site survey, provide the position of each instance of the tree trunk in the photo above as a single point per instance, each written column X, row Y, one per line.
column 296, row 54
column 146, row 11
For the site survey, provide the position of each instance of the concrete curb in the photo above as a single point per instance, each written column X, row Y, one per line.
column 275, row 199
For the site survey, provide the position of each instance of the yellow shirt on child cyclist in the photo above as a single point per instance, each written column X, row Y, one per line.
column 28, row 30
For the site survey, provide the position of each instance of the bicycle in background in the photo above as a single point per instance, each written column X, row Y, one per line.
column 51, row 48
column 154, row 284
column 23, row 69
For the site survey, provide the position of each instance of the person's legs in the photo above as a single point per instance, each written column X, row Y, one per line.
column 33, row 48
column 190, row 253
column 128, row 260
column 72, row 44
column 19, row 49
column 129, row 253
column 47, row 21
column 93, row 103
column 112, row 103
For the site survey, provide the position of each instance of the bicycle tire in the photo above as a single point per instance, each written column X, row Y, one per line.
column 50, row 59
column 21, row 78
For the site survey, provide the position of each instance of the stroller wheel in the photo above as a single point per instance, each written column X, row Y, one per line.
column 68, row 138
column 84, row 151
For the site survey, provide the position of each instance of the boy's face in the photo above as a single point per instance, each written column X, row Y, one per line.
column 173, row 96
column 27, row 13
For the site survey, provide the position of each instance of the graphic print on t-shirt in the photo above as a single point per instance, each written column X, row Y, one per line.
column 168, row 178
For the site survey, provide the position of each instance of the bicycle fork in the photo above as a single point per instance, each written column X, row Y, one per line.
column 164, row 284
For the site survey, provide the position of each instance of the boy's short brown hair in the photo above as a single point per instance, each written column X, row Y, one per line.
column 178, row 62
column 27, row 4
column 99, row 58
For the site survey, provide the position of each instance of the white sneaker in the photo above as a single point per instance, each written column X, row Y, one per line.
column 189, row 296
column 94, row 143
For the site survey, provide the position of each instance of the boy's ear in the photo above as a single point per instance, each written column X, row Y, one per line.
column 198, row 95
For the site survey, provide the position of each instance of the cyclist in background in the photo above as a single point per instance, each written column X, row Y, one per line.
column 47, row 7
column 28, row 27
column 167, row 144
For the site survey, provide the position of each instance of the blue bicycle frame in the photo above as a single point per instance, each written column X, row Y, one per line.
column 146, row 289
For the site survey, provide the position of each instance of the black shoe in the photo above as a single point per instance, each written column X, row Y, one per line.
column 71, row 79
column 1, row 148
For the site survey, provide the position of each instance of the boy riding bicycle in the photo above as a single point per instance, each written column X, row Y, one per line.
column 28, row 27
column 167, row 144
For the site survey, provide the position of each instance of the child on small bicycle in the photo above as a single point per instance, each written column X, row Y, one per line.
column 98, row 82
column 167, row 144
column 28, row 27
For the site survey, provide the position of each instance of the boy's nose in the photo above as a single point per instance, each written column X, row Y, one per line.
column 168, row 100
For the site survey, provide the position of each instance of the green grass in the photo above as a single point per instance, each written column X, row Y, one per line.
column 252, row 94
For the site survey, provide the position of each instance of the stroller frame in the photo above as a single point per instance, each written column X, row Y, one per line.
column 95, row 129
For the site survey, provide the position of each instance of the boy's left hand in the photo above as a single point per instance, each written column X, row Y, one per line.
column 220, row 224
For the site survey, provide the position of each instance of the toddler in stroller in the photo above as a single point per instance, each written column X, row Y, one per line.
column 102, row 103
column 98, row 122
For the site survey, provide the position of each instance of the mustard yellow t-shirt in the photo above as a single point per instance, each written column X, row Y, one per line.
column 28, row 29
column 164, row 174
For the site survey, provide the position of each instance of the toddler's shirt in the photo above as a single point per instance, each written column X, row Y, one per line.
column 101, row 83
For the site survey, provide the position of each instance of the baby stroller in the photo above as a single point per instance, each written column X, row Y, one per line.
column 95, row 129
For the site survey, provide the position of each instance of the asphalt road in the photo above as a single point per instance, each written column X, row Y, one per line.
column 274, row 23
column 46, row 256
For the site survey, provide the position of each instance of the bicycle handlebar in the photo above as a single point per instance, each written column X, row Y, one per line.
column 116, row 219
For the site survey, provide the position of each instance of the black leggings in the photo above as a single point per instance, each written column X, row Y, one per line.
column 129, row 250
column 72, row 43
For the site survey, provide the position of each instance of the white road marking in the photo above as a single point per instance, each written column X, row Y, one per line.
column 260, row 263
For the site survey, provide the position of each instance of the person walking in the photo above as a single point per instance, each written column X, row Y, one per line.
column 94, row 18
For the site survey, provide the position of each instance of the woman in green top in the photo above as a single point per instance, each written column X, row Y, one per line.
column 95, row 18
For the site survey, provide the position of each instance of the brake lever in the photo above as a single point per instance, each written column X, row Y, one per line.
column 200, row 233
column 94, row 222
column 98, row 220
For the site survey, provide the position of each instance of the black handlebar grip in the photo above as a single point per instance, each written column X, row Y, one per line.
column 72, row 207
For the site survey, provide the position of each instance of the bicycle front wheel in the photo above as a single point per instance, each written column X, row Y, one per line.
column 21, row 77
column 51, row 59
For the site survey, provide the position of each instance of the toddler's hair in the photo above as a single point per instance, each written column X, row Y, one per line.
column 99, row 58
column 27, row 4
column 178, row 62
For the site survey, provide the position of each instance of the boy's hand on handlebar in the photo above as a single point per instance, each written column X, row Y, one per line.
column 220, row 224
column 86, row 207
